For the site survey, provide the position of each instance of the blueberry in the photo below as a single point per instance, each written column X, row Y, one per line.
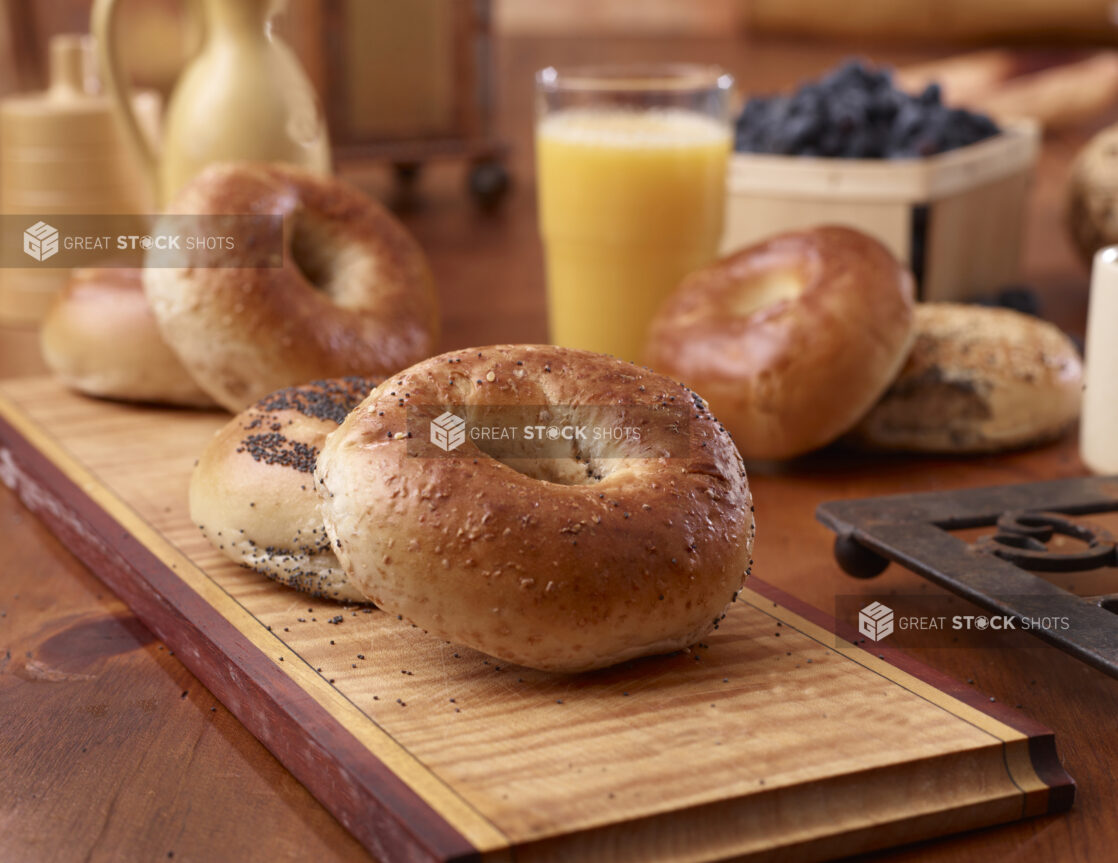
column 906, row 125
column 860, row 145
column 854, row 111
column 927, row 145
column 885, row 105
column 831, row 142
column 799, row 131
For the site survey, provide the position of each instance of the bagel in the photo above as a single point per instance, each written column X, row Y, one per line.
column 252, row 491
column 977, row 380
column 791, row 340
column 566, row 558
column 100, row 337
column 354, row 295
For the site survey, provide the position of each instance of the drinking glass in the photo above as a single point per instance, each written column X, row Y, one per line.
column 631, row 167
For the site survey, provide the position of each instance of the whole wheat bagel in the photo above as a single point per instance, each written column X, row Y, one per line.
column 354, row 295
column 100, row 337
column 252, row 491
column 977, row 380
column 579, row 555
column 792, row 340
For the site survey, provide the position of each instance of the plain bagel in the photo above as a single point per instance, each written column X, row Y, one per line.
column 100, row 338
column 598, row 551
column 252, row 491
column 353, row 296
column 977, row 380
column 791, row 340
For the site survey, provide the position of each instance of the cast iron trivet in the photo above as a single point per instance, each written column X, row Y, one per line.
column 997, row 570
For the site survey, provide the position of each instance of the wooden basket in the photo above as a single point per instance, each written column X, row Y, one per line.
column 966, row 207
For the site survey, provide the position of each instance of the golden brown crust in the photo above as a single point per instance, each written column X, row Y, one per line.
column 252, row 491
column 796, row 373
column 100, row 337
column 246, row 331
column 977, row 380
column 566, row 575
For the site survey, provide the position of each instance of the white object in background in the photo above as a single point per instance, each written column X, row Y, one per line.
column 1098, row 425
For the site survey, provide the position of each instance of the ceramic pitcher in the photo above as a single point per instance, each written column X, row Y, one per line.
column 243, row 97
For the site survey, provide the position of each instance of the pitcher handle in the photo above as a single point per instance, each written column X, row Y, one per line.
column 102, row 20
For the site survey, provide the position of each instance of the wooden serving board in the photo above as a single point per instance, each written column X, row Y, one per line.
column 775, row 739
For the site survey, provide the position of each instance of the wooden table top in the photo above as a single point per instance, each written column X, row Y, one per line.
column 110, row 749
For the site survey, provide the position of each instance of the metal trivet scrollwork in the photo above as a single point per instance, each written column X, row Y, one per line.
column 998, row 570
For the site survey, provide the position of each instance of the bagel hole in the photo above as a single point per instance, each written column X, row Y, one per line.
column 555, row 471
column 560, row 459
column 767, row 289
column 578, row 469
column 310, row 258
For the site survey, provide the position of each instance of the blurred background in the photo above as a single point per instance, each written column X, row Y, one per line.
column 429, row 103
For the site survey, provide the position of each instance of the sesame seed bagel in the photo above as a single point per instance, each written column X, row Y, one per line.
column 354, row 295
column 568, row 555
column 792, row 339
column 252, row 491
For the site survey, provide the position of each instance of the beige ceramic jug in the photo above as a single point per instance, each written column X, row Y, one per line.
column 243, row 97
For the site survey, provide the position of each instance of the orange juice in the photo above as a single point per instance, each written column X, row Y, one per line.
column 630, row 202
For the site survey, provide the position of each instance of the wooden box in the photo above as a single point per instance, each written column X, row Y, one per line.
column 957, row 218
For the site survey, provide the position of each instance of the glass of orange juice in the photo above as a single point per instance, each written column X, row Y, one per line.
column 631, row 170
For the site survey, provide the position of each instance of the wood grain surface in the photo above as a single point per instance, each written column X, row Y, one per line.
column 110, row 750
column 426, row 750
